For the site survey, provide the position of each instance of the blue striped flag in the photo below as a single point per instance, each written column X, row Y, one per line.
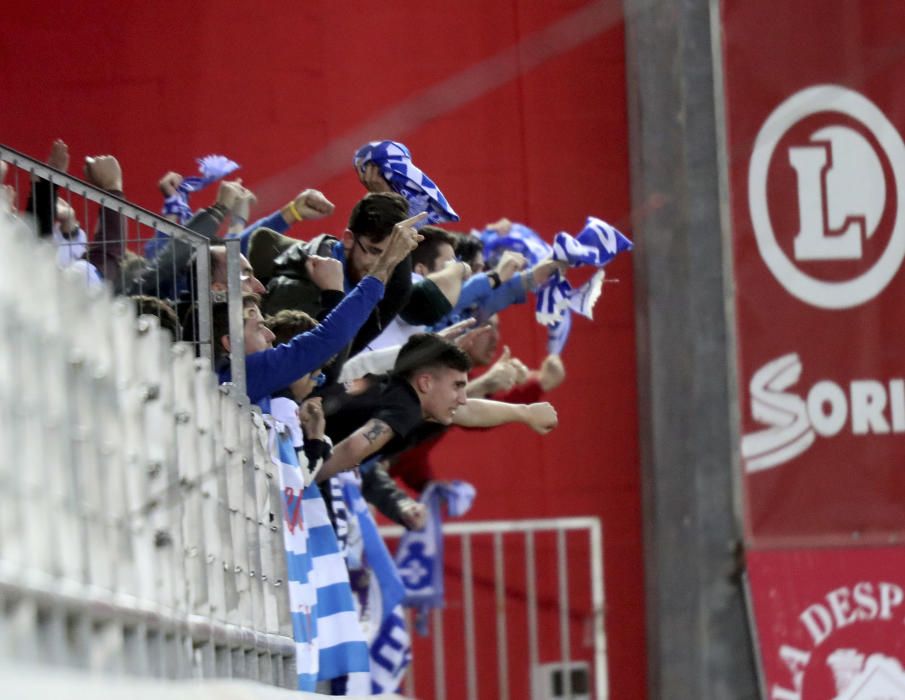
column 329, row 640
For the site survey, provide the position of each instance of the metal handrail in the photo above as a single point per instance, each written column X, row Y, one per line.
column 98, row 195
column 484, row 527
column 141, row 216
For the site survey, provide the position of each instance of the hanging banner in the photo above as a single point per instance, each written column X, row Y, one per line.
column 830, row 622
column 816, row 160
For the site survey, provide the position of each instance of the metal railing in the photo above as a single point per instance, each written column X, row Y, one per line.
column 503, row 536
column 118, row 242
column 139, row 509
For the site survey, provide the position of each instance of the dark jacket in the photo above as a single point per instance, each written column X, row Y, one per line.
column 291, row 288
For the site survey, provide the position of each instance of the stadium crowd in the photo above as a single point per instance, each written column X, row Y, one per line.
column 362, row 349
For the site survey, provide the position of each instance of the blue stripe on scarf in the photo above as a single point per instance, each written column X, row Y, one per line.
column 307, row 682
column 321, row 541
column 304, row 626
column 341, row 659
column 334, row 599
column 298, row 566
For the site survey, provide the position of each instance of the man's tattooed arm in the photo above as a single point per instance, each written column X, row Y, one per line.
column 374, row 429
column 368, row 440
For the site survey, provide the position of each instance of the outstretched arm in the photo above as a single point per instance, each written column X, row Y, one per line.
column 356, row 448
column 484, row 413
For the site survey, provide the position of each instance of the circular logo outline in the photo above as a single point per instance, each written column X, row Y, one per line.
column 812, row 100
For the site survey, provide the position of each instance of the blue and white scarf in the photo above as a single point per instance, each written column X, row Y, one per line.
column 520, row 239
column 597, row 244
column 420, row 553
column 395, row 163
column 212, row 169
column 329, row 640
column 380, row 597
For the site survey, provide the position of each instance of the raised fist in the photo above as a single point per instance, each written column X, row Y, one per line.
column 104, row 172
column 545, row 269
column 229, row 194
column 65, row 215
column 59, row 156
column 326, row 273
column 503, row 375
column 552, row 372
column 311, row 417
column 312, row 204
column 168, row 183
column 502, row 226
column 510, row 263
column 542, row 417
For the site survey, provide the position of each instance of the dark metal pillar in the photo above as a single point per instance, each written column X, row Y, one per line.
column 698, row 636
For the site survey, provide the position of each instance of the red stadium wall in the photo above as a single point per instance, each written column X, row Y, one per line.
column 515, row 108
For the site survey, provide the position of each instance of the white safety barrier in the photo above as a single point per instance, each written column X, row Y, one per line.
column 42, row 684
column 508, row 539
column 139, row 510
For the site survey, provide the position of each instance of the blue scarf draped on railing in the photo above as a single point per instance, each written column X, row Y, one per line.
column 395, row 163
column 420, row 554
column 329, row 641
column 390, row 647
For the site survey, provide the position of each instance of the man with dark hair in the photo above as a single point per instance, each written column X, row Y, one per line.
column 470, row 249
column 270, row 369
column 281, row 263
column 434, row 252
column 427, row 385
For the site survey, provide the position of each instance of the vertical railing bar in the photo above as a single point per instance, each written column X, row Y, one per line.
column 409, row 683
column 124, row 223
column 499, row 584
column 601, row 679
column 89, row 233
column 236, row 315
column 562, row 563
column 468, row 600
column 203, row 286
column 439, row 656
column 102, row 232
column 174, row 279
column 531, row 602
column 34, row 200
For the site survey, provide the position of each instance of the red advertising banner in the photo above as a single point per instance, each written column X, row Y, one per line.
column 815, row 114
column 830, row 622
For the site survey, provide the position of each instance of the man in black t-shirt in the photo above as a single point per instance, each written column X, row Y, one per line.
column 390, row 399
column 427, row 383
